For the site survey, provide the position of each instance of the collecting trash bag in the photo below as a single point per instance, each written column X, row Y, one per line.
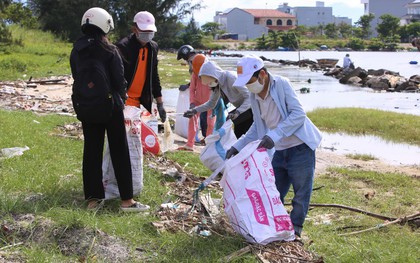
column 149, row 131
column 251, row 200
column 133, row 130
column 149, row 139
column 214, row 153
column 183, row 104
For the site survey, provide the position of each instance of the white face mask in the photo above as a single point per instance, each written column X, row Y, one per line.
column 255, row 87
column 145, row 37
column 213, row 84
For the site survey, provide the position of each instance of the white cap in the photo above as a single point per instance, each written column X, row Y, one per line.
column 246, row 67
column 145, row 21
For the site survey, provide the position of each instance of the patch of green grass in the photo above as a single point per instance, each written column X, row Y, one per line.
column 395, row 195
column 172, row 72
column 363, row 157
column 390, row 126
column 41, row 54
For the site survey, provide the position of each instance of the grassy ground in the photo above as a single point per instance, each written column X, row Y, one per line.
column 46, row 182
column 39, row 54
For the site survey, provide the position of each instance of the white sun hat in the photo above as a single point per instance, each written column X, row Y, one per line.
column 145, row 21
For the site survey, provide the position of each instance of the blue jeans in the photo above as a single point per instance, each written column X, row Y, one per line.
column 295, row 166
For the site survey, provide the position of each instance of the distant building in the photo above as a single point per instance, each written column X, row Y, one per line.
column 378, row 8
column 314, row 16
column 285, row 8
column 247, row 24
column 413, row 13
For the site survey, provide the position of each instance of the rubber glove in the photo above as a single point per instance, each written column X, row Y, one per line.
column 266, row 142
column 233, row 115
column 190, row 113
column 162, row 111
column 231, row 152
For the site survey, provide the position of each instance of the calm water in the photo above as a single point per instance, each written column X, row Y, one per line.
column 327, row 92
column 395, row 61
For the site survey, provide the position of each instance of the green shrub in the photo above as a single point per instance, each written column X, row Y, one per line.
column 356, row 44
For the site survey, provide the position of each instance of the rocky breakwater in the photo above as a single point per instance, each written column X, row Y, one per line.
column 380, row 80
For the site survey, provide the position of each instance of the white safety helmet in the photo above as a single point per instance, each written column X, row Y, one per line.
column 98, row 17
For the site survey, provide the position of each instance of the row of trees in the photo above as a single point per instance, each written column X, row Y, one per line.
column 389, row 34
column 63, row 19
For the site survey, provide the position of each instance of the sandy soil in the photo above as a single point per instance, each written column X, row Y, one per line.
column 325, row 158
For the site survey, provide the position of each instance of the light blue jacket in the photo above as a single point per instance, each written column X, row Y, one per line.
column 293, row 118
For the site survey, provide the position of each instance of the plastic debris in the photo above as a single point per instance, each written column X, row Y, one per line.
column 12, row 152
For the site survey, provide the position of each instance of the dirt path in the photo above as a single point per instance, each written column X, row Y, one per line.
column 51, row 94
column 326, row 159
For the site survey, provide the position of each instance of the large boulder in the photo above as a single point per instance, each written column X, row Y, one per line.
column 384, row 82
column 377, row 83
column 394, row 81
column 358, row 72
column 355, row 80
column 333, row 72
column 407, row 86
column 415, row 79
column 380, row 72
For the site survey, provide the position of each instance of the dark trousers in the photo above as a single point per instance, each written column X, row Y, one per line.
column 94, row 134
column 242, row 123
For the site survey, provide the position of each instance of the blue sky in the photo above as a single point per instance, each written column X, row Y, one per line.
column 349, row 8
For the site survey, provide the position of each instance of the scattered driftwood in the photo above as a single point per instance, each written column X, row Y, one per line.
column 354, row 210
column 20, row 95
column 71, row 130
column 411, row 219
column 400, row 220
column 276, row 252
column 180, row 213
column 62, row 81
column 236, row 254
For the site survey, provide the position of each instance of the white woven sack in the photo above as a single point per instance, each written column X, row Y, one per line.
column 214, row 153
column 251, row 199
column 183, row 104
column 133, row 130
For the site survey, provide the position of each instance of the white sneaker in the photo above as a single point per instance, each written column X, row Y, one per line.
column 136, row 207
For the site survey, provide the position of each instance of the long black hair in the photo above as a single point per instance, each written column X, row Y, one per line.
column 95, row 33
